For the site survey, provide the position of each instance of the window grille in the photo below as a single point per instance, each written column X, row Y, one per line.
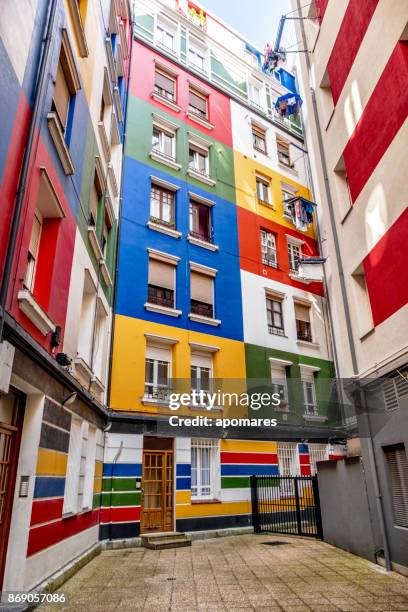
column 394, row 389
column 397, row 462
column 317, row 452
column 205, row 468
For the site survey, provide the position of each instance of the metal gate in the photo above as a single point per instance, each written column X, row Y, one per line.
column 286, row 504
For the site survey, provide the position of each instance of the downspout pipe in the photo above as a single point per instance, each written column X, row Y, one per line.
column 371, row 452
column 22, row 183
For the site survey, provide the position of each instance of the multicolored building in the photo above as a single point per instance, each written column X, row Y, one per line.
column 354, row 83
column 217, row 213
column 64, row 69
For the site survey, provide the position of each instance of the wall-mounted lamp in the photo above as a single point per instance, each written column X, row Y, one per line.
column 70, row 399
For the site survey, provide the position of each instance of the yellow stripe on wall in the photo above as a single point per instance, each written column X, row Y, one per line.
column 98, row 469
column 51, row 463
column 183, row 497
column 215, row 509
column 249, row 446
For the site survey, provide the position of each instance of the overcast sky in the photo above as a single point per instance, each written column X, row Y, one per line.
column 256, row 19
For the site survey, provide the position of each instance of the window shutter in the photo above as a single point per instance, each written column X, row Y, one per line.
column 90, row 469
column 35, row 237
column 397, row 462
column 201, row 288
column 161, row 274
column 302, row 312
column 198, row 102
column 164, row 82
column 393, row 390
column 73, row 467
column 61, row 96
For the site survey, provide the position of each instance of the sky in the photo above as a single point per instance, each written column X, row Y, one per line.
column 259, row 25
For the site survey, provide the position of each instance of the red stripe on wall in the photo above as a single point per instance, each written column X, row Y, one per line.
column 45, row 510
column 352, row 31
column 336, row 457
column 120, row 515
column 250, row 458
column 305, row 470
column 382, row 118
column 304, row 460
column 386, row 271
column 47, row 535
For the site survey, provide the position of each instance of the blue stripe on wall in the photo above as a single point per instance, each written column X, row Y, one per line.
column 49, row 486
column 183, row 484
column 122, row 469
column 303, row 448
column 183, row 469
column 249, row 470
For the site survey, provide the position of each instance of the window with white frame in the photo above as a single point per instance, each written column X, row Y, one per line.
column 303, row 325
column 283, row 148
column 157, row 371
column 268, row 248
column 263, row 189
column 255, row 92
column 309, row 392
column 279, row 386
column 166, row 31
column 201, row 372
column 294, row 254
column 205, row 469
column 78, row 492
column 199, row 159
column 197, row 54
column 165, row 84
column 162, row 205
column 287, row 197
column 288, row 459
column 317, row 452
column 164, row 142
column 259, row 138
column 197, row 103
column 161, row 283
column 274, row 313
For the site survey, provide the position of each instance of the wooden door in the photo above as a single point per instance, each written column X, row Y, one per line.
column 11, row 418
column 157, row 491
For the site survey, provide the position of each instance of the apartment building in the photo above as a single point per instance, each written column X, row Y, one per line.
column 217, row 213
column 64, row 86
column 354, row 83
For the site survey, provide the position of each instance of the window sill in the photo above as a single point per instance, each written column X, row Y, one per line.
column 171, row 312
column 299, row 279
column 105, row 273
column 166, row 102
column 278, row 335
column 313, row 345
column 203, row 407
column 366, row 333
column 163, row 229
column 152, row 401
column 34, row 312
column 93, row 239
column 112, row 178
column 200, row 120
column 83, row 369
column 201, row 177
column 104, row 140
column 78, row 28
column 205, row 501
column 202, row 243
column 315, row 418
column 60, row 144
column 206, row 320
column 290, row 169
column 165, row 161
column 266, row 204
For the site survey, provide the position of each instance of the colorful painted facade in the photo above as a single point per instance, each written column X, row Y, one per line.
column 64, row 72
column 209, row 247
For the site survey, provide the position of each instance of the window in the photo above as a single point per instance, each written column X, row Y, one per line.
column 394, row 389
column 259, row 138
column 363, row 311
column 198, row 160
column 198, row 103
column 200, row 221
column 165, row 85
column 288, row 462
column 166, row 33
column 295, row 255
column 86, row 322
column 96, row 195
column 202, row 294
column 106, row 229
column 32, row 255
column 157, row 372
column 255, row 93
column 161, row 283
column 397, row 463
column 288, row 205
column 205, row 461
column 317, row 452
column 268, row 247
column 275, row 316
column 162, row 205
column 263, row 189
column 78, row 492
column 283, row 151
column 303, row 327
column 201, row 372
column 196, row 55
column 163, row 142
column 61, row 98
column 309, row 397
column 279, row 386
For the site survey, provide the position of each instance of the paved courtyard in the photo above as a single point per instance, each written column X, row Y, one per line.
column 233, row 573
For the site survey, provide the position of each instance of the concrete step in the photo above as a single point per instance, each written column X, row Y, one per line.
column 167, row 539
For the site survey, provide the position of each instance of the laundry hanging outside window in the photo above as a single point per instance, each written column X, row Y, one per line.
column 288, row 105
column 300, row 212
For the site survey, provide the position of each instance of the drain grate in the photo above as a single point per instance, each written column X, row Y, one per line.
column 275, row 543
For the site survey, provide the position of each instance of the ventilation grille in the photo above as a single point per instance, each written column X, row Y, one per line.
column 394, row 389
column 397, row 462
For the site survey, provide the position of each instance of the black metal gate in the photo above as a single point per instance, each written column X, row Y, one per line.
column 286, row 504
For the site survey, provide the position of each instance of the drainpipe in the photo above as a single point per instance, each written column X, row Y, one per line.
column 371, row 453
column 22, row 183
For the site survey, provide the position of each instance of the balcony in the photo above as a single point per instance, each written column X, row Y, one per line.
column 161, row 301
column 271, row 262
column 201, row 312
column 200, row 175
column 163, row 158
column 277, row 331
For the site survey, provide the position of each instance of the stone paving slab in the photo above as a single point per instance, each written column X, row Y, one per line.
column 235, row 573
